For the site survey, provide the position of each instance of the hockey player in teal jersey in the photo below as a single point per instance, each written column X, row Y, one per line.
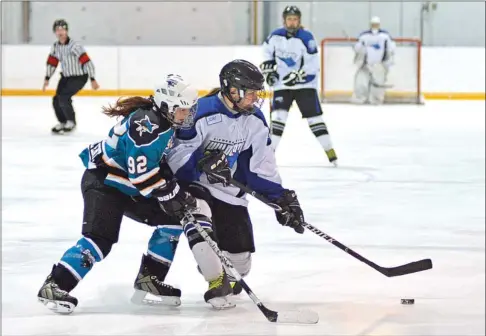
column 126, row 174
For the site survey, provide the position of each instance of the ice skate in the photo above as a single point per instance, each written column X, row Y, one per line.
column 58, row 129
column 219, row 293
column 56, row 299
column 148, row 284
column 69, row 126
column 237, row 289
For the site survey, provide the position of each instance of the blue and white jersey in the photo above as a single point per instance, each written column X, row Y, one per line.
column 132, row 153
column 293, row 52
column 374, row 47
column 244, row 139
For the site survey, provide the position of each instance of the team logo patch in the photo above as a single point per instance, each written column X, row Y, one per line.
column 145, row 125
column 214, row 119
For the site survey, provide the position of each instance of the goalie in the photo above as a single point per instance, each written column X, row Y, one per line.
column 374, row 50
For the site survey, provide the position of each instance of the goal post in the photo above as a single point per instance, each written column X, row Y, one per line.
column 338, row 71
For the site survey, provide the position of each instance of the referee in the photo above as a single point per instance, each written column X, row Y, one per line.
column 76, row 68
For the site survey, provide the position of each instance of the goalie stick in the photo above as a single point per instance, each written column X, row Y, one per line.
column 413, row 267
column 296, row 317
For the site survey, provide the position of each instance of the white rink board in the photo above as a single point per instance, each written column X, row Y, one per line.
column 23, row 66
column 410, row 186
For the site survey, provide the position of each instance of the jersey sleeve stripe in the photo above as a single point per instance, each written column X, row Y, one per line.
column 146, row 191
column 111, row 163
column 119, row 179
column 145, row 177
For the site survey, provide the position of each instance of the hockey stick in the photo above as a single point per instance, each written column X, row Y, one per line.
column 413, row 267
column 299, row 317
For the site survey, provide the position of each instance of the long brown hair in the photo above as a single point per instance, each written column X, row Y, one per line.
column 125, row 106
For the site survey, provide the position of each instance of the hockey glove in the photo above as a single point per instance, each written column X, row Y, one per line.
column 268, row 67
column 291, row 214
column 294, row 77
column 269, row 71
column 174, row 201
column 215, row 165
column 272, row 78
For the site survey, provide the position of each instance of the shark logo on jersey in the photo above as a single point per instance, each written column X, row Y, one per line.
column 231, row 148
column 145, row 125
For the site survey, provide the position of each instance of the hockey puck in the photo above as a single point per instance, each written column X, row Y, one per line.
column 408, row 301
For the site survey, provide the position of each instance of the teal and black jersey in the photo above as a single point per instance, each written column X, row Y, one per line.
column 133, row 153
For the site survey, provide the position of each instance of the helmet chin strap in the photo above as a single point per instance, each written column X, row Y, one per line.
column 236, row 102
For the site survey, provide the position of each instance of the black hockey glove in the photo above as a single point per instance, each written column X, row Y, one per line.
column 294, row 77
column 174, row 201
column 215, row 165
column 268, row 67
column 269, row 71
column 291, row 214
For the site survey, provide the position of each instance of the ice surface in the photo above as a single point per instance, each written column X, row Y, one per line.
column 411, row 185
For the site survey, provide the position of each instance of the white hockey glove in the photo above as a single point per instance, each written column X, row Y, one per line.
column 294, row 77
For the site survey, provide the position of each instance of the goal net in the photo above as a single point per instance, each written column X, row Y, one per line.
column 338, row 71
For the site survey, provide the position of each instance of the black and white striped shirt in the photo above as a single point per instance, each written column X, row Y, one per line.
column 74, row 60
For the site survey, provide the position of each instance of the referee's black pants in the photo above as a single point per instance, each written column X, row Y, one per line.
column 62, row 102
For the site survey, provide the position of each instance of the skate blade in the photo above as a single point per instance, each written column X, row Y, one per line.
column 60, row 307
column 139, row 297
column 221, row 303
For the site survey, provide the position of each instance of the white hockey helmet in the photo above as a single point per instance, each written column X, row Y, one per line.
column 375, row 20
column 175, row 93
column 375, row 23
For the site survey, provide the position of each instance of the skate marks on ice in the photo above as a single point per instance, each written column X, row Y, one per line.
column 365, row 174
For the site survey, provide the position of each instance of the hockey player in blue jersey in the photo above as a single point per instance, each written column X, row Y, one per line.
column 126, row 175
column 291, row 69
column 231, row 138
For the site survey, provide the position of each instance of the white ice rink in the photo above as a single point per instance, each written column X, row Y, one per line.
column 411, row 185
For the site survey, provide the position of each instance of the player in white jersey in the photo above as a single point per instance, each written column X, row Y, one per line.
column 291, row 69
column 231, row 138
column 375, row 51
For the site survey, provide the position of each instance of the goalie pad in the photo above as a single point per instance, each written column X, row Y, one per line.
column 370, row 84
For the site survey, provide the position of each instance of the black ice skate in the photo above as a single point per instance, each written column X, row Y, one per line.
column 147, row 283
column 219, row 293
column 58, row 129
column 237, row 289
column 55, row 298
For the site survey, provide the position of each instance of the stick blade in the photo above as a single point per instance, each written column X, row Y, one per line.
column 298, row 317
column 413, row 267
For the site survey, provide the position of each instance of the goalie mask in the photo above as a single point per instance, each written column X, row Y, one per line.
column 242, row 84
column 176, row 100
